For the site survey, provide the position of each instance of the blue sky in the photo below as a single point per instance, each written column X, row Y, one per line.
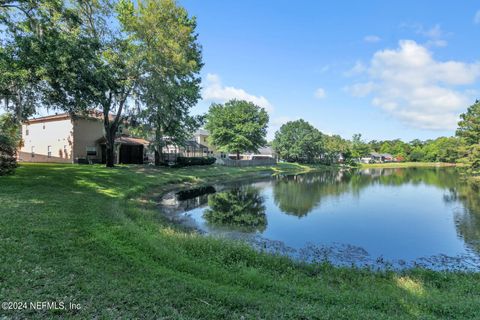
column 403, row 69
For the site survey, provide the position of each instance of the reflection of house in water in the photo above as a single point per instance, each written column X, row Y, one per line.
column 377, row 172
column 186, row 200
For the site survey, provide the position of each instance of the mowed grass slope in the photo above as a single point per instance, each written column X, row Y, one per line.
column 89, row 235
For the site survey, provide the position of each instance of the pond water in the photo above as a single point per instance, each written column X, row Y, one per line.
column 373, row 217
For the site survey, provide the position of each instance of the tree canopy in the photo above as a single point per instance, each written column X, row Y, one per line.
column 171, row 84
column 237, row 126
column 469, row 125
column 469, row 131
column 9, row 141
column 298, row 141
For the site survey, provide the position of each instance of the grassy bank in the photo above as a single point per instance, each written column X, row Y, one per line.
column 406, row 165
column 88, row 235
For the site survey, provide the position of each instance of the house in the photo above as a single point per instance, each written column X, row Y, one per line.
column 387, row 157
column 201, row 137
column 190, row 148
column 263, row 153
column 76, row 139
column 377, row 158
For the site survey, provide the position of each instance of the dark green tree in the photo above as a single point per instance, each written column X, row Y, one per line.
column 299, row 141
column 36, row 37
column 172, row 60
column 359, row 147
column 335, row 147
column 9, row 141
column 469, row 125
column 237, row 126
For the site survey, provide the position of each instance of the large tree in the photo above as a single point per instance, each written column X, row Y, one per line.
column 359, row 147
column 237, row 126
column 299, row 141
column 469, row 131
column 34, row 32
column 171, row 58
column 76, row 60
column 469, row 125
column 335, row 148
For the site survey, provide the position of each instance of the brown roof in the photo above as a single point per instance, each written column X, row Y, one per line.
column 126, row 140
column 131, row 140
column 64, row 116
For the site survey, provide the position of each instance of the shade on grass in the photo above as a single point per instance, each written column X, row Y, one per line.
column 91, row 235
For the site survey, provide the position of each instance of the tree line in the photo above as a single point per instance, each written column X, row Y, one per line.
column 299, row 141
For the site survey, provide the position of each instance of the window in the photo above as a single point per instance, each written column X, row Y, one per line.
column 27, row 132
column 44, row 126
column 33, row 151
column 49, row 151
column 91, row 151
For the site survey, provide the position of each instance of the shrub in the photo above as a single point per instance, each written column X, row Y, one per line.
column 195, row 161
column 8, row 160
column 9, row 140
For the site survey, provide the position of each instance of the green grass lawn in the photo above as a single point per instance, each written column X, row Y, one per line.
column 90, row 235
column 406, row 165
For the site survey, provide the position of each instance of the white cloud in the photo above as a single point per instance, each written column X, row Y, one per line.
column 358, row 68
column 320, row 93
column 371, row 38
column 476, row 18
column 360, row 89
column 214, row 90
column 436, row 43
column 435, row 35
column 409, row 84
column 434, row 32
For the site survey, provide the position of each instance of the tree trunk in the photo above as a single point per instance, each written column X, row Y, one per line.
column 110, row 150
column 238, row 155
column 157, row 158
column 158, row 147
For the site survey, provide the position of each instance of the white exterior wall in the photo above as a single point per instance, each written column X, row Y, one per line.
column 58, row 135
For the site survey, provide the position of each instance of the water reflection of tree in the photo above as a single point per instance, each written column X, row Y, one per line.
column 240, row 207
column 467, row 220
column 298, row 195
column 440, row 177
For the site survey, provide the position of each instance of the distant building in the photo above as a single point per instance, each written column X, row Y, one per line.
column 263, row 153
column 378, row 158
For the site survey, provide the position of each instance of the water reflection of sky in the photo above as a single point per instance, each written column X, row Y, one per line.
column 399, row 215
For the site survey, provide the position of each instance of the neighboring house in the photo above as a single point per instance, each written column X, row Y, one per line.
column 76, row 139
column 378, row 158
column 263, row 153
column 191, row 148
column 201, row 137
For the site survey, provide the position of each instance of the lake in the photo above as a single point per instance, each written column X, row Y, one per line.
column 393, row 218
